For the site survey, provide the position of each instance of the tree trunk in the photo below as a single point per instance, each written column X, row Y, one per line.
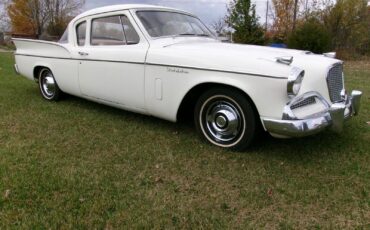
column 295, row 14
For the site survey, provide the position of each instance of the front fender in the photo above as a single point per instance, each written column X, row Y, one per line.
column 166, row 87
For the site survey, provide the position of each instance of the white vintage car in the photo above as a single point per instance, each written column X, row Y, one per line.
column 165, row 63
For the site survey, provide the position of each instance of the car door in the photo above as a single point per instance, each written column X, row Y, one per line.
column 112, row 60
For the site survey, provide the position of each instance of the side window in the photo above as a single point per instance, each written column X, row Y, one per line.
column 107, row 31
column 131, row 36
column 81, row 33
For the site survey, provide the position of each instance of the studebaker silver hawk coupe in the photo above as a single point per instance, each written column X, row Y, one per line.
column 161, row 62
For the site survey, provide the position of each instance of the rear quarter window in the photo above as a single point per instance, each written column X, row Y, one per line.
column 64, row 38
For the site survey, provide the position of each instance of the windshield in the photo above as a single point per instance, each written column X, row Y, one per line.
column 164, row 23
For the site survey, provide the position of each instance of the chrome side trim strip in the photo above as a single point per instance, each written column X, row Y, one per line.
column 215, row 70
column 163, row 65
column 80, row 59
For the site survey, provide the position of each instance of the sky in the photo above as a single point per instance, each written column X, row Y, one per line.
column 207, row 10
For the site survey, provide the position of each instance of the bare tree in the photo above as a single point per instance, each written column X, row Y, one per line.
column 34, row 16
column 39, row 14
column 219, row 26
column 314, row 8
column 61, row 12
column 4, row 19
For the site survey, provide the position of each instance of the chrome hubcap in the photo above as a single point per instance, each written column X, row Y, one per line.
column 223, row 121
column 48, row 84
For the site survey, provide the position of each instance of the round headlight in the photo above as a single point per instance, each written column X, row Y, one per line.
column 295, row 81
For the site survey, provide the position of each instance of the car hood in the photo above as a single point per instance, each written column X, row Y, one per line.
column 250, row 59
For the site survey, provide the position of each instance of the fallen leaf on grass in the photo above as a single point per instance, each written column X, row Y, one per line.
column 269, row 192
column 158, row 180
column 6, row 194
column 108, row 227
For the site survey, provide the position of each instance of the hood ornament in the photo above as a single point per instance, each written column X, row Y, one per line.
column 330, row 55
column 287, row 60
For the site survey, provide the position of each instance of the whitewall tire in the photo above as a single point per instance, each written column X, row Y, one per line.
column 48, row 86
column 226, row 118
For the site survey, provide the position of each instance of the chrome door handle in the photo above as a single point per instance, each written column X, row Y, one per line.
column 83, row 53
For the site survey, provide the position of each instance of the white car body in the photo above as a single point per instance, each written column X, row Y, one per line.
column 155, row 76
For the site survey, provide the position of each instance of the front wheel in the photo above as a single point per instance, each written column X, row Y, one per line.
column 48, row 86
column 226, row 118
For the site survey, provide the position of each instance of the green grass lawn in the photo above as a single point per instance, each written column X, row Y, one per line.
column 78, row 164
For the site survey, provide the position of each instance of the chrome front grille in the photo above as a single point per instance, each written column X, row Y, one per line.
column 335, row 82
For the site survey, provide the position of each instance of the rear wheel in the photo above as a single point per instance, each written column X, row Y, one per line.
column 225, row 117
column 48, row 86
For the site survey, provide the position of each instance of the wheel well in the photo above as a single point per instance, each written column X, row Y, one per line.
column 187, row 106
column 36, row 72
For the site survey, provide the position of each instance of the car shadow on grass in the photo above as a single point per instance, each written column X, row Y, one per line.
column 95, row 107
column 296, row 149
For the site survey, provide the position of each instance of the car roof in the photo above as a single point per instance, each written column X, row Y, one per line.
column 120, row 7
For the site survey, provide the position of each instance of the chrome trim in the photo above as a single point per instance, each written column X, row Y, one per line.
column 306, row 102
column 296, row 75
column 337, row 116
column 288, row 113
column 162, row 65
column 80, row 59
column 344, row 95
column 330, row 54
column 333, row 118
column 48, row 85
column 297, row 128
column 227, row 135
column 16, row 69
column 327, row 82
column 356, row 102
column 83, row 53
column 287, row 60
column 223, row 120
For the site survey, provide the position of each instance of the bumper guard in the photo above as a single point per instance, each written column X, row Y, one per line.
column 334, row 118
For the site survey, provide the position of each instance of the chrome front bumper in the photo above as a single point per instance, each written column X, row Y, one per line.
column 334, row 118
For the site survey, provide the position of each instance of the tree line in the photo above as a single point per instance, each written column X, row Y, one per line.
column 315, row 25
column 41, row 17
